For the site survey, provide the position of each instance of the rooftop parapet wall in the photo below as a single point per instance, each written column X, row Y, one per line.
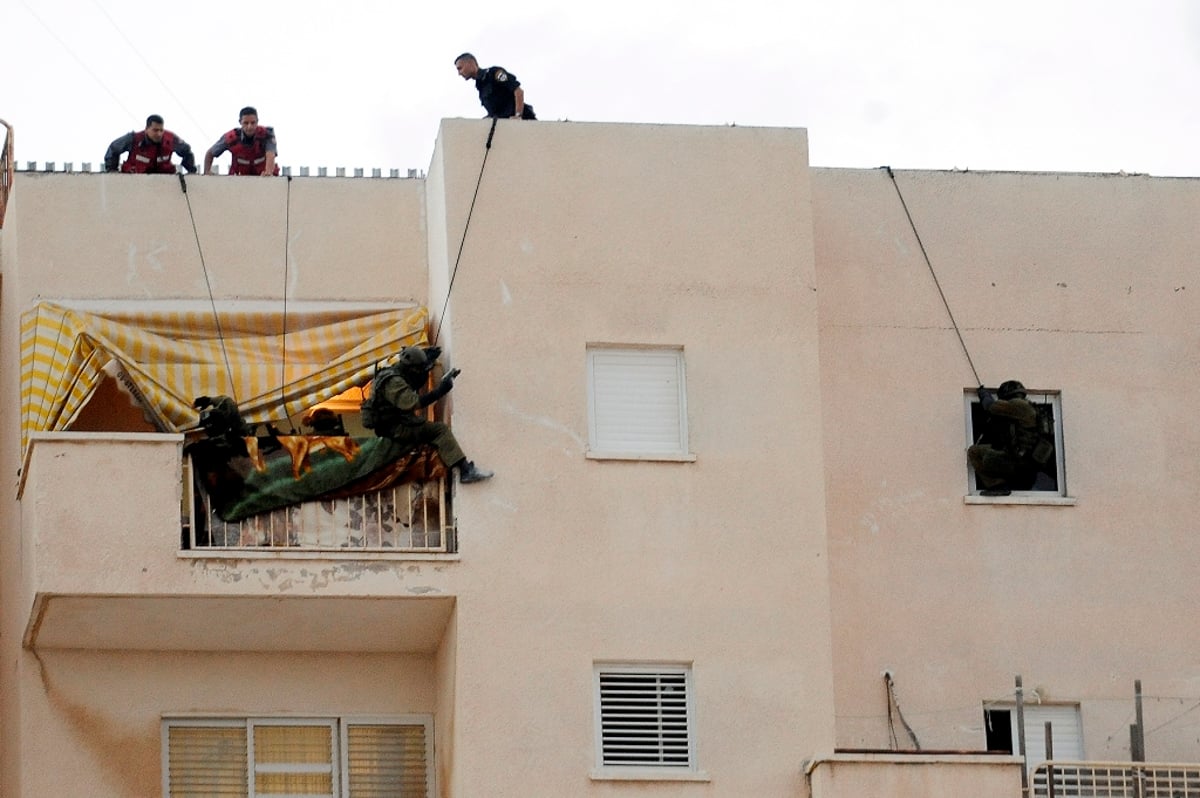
column 118, row 236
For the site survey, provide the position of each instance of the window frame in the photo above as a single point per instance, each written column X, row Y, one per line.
column 1035, row 755
column 602, row 447
column 645, row 771
column 339, row 735
column 1059, row 496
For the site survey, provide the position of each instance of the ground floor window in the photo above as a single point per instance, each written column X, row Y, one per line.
column 331, row 757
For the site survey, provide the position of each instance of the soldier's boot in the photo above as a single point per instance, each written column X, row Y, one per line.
column 468, row 472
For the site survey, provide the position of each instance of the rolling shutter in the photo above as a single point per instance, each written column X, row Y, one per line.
column 637, row 401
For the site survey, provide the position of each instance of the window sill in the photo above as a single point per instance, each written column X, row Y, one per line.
column 1053, row 500
column 649, row 774
column 687, row 457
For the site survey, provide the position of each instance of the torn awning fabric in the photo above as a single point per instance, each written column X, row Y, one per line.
column 165, row 358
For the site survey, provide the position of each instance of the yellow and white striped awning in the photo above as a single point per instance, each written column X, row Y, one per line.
column 166, row 358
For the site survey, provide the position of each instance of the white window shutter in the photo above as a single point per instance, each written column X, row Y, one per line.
column 637, row 401
column 384, row 760
column 1065, row 726
column 207, row 761
column 644, row 717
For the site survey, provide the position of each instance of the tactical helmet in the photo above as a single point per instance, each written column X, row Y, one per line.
column 412, row 357
column 1011, row 389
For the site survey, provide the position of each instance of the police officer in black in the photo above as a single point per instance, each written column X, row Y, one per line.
column 499, row 90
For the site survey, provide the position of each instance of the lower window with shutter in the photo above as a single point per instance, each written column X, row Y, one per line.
column 644, row 718
column 331, row 757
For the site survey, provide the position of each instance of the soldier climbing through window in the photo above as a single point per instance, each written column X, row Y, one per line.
column 1017, row 443
column 393, row 409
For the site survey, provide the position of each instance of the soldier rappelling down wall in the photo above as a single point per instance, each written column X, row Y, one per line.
column 1015, row 445
column 392, row 409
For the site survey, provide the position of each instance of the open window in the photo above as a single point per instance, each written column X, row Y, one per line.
column 1043, row 474
column 1066, row 731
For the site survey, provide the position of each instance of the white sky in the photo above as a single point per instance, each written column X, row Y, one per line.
column 1045, row 85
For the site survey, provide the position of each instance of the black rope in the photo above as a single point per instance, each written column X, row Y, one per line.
column 487, row 148
column 892, row 700
column 934, row 274
column 212, row 301
column 287, row 228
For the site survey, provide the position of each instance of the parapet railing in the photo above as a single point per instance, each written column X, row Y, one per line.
column 7, row 166
column 1072, row 779
column 87, row 167
column 408, row 518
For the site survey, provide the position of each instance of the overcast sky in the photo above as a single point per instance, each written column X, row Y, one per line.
column 1044, row 85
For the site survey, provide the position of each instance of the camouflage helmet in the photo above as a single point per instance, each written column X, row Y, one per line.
column 1011, row 389
column 412, row 357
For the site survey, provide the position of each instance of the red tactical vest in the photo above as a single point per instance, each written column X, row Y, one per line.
column 248, row 159
column 147, row 157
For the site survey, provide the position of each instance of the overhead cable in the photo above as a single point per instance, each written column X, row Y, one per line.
column 150, row 67
column 78, row 60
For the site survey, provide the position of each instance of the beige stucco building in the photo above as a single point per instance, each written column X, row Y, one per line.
column 727, row 397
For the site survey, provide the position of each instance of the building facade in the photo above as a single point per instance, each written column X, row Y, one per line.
column 732, row 546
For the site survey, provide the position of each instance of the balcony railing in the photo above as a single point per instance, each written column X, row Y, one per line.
column 403, row 518
column 6, row 168
column 1115, row 780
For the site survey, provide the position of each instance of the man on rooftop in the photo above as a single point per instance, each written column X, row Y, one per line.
column 499, row 90
column 150, row 150
column 251, row 146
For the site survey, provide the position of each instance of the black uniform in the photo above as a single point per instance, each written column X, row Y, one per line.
column 496, row 86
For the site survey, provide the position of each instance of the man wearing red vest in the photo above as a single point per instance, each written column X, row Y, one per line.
column 252, row 147
column 150, row 150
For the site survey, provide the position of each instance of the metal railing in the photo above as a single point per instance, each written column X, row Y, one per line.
column 6, row 169
column 1063, row 779
column 413, row 517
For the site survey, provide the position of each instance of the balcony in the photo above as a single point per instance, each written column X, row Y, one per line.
column 105, row 564
column 411, row 518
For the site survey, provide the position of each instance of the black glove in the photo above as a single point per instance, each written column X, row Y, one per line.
column 980, row 391
column 432, row 353
column 448, row 380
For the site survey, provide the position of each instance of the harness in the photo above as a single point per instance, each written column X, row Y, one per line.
column 381, row 415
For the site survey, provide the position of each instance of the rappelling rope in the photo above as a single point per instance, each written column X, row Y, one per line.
column 287, row 227
column 487, row 148
column 212, row 301
column 941, row 293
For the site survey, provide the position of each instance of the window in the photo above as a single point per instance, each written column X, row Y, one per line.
column 644, row 717
column 1046, row 476
column 335, row 758
column 1066, row 730
column 637, row 403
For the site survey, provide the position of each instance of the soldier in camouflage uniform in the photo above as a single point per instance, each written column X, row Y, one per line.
column 1013, row 447
column 392, row 409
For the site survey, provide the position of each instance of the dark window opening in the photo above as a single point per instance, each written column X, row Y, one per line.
column 1029, row 459
column 997, row 725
